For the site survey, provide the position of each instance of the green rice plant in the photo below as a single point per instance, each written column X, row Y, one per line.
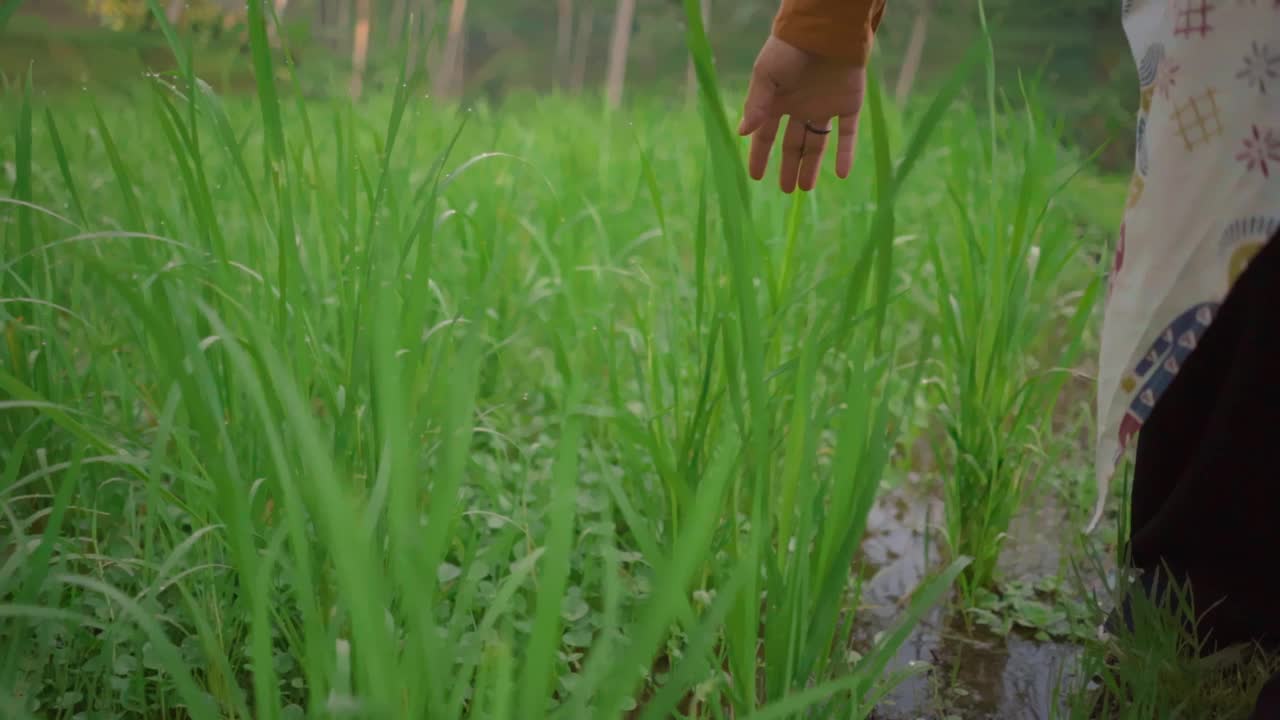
column 316, row 410
column 1014, row 296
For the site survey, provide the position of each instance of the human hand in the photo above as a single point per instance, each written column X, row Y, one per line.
column 810, row 90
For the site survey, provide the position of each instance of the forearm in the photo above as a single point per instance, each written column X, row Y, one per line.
column 836, row 29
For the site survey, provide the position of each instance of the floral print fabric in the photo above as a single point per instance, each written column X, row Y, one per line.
column 1204, row 198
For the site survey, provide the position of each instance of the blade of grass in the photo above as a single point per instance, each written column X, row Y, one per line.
column 277, row 156
column 64, row 168
column 133, row 209
column 38, row 563
column 541, row 652
column 170, row 660
column 22, row 190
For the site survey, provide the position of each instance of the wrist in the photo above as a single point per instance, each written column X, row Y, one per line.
column 838, row 30
column 815, row 37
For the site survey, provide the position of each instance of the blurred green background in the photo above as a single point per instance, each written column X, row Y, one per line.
column 1074, row 50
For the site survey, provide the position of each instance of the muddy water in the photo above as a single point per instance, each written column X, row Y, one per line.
column 960, row 673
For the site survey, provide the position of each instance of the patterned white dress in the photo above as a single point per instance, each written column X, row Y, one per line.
column 1204, row 199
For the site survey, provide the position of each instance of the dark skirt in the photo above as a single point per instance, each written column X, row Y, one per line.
column 1206, row 487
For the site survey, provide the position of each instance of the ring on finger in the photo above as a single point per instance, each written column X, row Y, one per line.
column 815, row 130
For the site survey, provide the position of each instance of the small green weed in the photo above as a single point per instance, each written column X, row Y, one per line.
column 1045, row 608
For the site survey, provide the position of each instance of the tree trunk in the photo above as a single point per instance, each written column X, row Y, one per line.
column 324, row 18
column 564, row 43
column 273, row 28
column 616, row 74
column 399, row 13
column 416, row 26
column 342, row 25
column 691, row 76
column 915, row 50
column 173, row 13
column 452, row 65
column 360, row 48
column 581, row 50
column 422, row 20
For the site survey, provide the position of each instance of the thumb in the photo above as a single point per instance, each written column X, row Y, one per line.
column 760, row 95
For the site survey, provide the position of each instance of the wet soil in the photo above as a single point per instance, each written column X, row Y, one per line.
column 961, row 672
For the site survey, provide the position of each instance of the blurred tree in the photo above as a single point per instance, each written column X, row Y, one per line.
column 450, row 77
column 399, row 11
column 360, row 47
column 422, row 16
column 342, row 23
column 134, row 14
column 690, row 77
column 1075, row 49
column 564, row 43
column 273, row 28
column 616, row 74
column 581, row 49
column 914, row 52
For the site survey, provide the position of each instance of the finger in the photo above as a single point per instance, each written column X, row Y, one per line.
column 792, row 148
column 761, row 147
column 815, row 145
column 756, row 110
column 847, row 141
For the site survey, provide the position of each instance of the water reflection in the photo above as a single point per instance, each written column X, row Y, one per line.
column 971, row 673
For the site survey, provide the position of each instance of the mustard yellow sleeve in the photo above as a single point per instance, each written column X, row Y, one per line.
column 836, row 29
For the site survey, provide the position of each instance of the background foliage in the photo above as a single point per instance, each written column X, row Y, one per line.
column 1074, row 48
